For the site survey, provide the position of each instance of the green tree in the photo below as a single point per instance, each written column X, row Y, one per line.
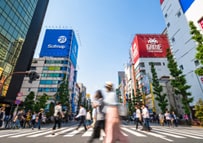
column 199, row 111
column 130, row 104
column 179, row 83
column 41, row 102
column 29, row 101
column 63, row 93
column 138, row 97
column 198, row 37
column 157, row 90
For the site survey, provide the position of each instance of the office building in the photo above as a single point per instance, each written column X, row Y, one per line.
column 177, row 15
column 20, row 24
column 147, row 49
column 58, row 59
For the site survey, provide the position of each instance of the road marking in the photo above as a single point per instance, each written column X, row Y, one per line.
column 61, row 132
column 88, row 133
column 44, row 133
column 157, row 135
column 168, row 134
column 20, row 135
column 73, row 132
column 178, row 133
column 133, row 132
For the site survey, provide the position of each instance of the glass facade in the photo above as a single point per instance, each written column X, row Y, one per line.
column 15, row 19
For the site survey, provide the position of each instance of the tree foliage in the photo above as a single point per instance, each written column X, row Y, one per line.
column 63, row 93
column 138, row 98
column 157, row 90
column 198, row 37
column 199, row 111
column 29, row 101
column 130, row 106
column 41, row 102
column 179, row 82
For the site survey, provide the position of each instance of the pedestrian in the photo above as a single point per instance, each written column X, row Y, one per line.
column 33, row 120
column 88, row 118
column 58, row 115
column 2, row 116
column 98, row 105
column 146, row 118
column 168, row 118
column 112, row 118
column 27, row 119
column 161, row 119
column 138, row 116
column 39, row 118
column 82, row 114
column 174, row 120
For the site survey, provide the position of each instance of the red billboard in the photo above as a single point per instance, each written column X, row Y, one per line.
column 161, row 1
column 149, row 46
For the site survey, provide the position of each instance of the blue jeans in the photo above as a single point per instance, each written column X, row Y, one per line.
column 146, row 123
column 39, row 124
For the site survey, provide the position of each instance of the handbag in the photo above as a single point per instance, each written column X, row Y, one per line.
column 122, row 110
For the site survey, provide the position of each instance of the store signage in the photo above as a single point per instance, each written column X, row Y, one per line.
column 201, row 22
column 153, row 45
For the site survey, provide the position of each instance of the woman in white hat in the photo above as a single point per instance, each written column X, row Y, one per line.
column 112, row 126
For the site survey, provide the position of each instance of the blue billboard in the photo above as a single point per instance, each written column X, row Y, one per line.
column 185, row 4
column 60, row 43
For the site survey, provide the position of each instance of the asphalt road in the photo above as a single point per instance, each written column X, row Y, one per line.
column 68, row 134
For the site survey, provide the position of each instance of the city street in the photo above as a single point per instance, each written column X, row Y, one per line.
column 69, row 134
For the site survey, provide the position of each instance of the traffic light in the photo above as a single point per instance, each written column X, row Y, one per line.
column 33, row 76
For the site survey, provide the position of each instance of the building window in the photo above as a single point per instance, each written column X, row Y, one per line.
column 173, row 40
column 142, row 72
column 32, row 68
column 196, row 63
column 163, row 64
column 168, row 24
column 166, row 15
column 179, row 14
column 181, row 67
column 141, row 65
column 155, row 63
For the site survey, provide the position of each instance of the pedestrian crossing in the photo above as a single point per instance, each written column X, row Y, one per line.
column 165, row 133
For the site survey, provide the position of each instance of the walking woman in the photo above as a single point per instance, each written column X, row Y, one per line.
column 100, row 118
column 112, row 122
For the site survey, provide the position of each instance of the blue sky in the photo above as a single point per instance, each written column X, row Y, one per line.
column 105, row 30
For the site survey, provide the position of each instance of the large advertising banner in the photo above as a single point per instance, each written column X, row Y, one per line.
column 56, row 43
column 149, row 46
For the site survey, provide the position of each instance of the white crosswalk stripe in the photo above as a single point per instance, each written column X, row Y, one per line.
column 164, row 133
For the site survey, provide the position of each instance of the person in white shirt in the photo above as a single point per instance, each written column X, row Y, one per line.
column 138, row 116
column 58, row 115
column 146, row 118
column 88, row 119
column 82, row 114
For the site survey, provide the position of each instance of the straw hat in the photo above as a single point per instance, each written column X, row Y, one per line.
column 108, row 84
column 41, row 109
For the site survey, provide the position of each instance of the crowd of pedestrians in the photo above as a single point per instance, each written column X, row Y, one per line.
column 103, row 116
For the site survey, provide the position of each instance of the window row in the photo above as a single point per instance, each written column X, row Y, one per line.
column 53, row 75
column 47, row 89
column 54, row 68
column 49, row 82
column 56, row 61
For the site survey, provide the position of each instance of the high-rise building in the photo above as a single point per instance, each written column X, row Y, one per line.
column 177, row 14
column 20, row 24
column 147, row 49
column 58, row 59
